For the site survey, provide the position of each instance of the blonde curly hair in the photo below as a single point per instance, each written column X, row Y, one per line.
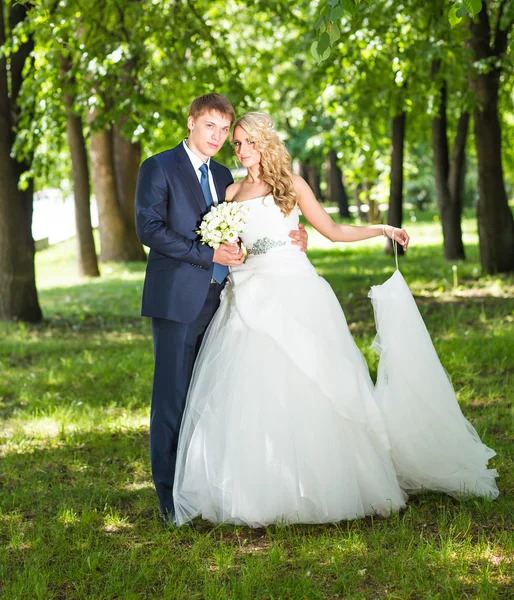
column 275, row 159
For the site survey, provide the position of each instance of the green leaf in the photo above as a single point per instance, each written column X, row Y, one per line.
column 334, row 33
column 462, row 11
column 349, row 6
column 325, row 54
column 323, row 43
column 314, row 51
column 507, row 15
column 474, row 6
column 321, row 23
column 453, row 17
column 336, row 14
column 321, row 53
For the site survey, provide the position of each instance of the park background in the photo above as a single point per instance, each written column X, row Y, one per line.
column 394, row 112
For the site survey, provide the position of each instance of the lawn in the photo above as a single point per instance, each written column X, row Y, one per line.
column 78, row 513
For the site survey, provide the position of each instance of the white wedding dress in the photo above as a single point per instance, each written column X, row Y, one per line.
column 282, row 424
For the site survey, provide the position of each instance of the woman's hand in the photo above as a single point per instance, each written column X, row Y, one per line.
column 397, row 234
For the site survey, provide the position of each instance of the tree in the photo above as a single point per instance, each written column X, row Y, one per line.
column 118, row 241
column 18, row 295
column 86, row 251
column 490, row 27
column 449, row 71
column 134, row 63
column 335, row 188
column 495, row 220
column 395, row 212
column 310, row 172
column 449, row 175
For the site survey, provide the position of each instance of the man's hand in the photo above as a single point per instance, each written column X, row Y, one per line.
column 229, row 255
column 300, row 237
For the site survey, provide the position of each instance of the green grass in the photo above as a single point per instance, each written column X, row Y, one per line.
column 78, row 513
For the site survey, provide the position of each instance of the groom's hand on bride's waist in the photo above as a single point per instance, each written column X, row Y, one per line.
column 229, row 255
column 300, row 237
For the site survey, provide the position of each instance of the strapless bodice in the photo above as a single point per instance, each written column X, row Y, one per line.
column 267, row 228
column 266, row 237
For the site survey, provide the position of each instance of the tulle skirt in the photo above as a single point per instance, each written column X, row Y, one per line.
column 281, row 423
column 433, row 445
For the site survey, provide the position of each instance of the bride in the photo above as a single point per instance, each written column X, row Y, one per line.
column 281, row 423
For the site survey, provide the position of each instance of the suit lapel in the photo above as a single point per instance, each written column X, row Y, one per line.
column 188, row 172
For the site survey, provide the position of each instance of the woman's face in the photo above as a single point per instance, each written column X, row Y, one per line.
column 245, row 150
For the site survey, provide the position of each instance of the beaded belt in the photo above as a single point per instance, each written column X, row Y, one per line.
column 265, row 244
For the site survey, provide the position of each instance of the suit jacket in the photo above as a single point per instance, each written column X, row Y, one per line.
column 169, row 208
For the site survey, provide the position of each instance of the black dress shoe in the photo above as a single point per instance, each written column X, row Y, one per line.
column 168, row 517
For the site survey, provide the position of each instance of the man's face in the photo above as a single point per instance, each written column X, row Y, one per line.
column 207, row 133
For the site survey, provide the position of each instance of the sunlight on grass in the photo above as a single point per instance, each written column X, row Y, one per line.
column 57, row 267
column 20, row 434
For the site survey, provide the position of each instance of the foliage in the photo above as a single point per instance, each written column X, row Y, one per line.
column 140, row 63
column 131, row 64
column 380, row 62
column 332, row 11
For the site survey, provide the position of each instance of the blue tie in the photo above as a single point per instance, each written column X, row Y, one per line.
column 219, row 272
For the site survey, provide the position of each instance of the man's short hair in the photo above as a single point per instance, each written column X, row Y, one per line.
column 210, row 102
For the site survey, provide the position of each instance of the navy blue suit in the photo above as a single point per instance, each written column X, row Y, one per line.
column 178, row 294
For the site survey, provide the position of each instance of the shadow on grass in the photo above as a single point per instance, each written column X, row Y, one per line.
column 84, row 512
column 97, row 468
column 80, row 470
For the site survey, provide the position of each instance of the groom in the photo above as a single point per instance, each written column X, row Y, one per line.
column 184, row 277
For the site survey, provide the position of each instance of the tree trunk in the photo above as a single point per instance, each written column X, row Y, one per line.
column 335, row 188
column 366, row 191
column 395, row 212
column 358, row 203
column 311, row 175
column 495, row 220
column 113, row 232
column 313, row 180
column 303, row 170
column 86, row 252
column 456, row 182
column 344, row 211
column 450, row 206
column 127, row 158
column 18, row 294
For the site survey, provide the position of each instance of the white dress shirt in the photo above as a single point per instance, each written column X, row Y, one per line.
column 197, row 162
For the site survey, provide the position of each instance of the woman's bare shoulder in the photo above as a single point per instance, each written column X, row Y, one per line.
column 231, row 191
column 298, row 181
column 301, row 187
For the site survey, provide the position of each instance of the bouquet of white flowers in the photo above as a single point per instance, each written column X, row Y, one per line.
column 223, row 223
